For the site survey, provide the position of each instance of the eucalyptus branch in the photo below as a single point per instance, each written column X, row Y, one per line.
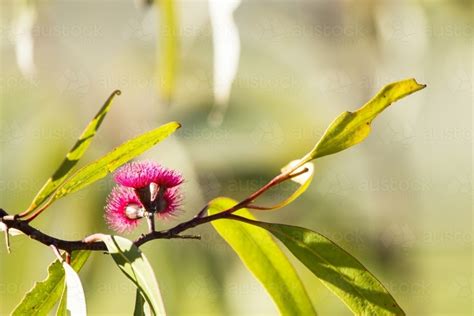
column 70, row 245
column 15, row 222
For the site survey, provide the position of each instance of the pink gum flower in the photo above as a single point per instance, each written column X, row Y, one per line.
column 173, row 199
column 142, row 173
column 121, row 202
column 144, row 188
column 124, row 210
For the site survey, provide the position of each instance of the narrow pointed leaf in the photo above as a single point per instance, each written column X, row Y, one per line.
column 262, row 256
column 75, row 298
column 25, row 15
column 167, row 52
column 114, row 159
column 45, row 294
column 73, row 156
column 136, row 267
column 226, row 44
column 62, row 307
column 344, row 275
column 304, row 180
column 141, row 306
column 350, row 128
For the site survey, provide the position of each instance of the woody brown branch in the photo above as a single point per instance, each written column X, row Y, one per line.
column 70, row 245
column 14, row 222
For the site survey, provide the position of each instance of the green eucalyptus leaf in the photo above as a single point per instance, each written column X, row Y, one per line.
column 344, row 275
column 75, row 298
column 73, row 156
column 62, row 307
column 136, row 267
column 350, row 128
column 262, row 256
column 41, row 299
column 114, row 159
column 167, row 54
column 141, row 306
column 304, row 180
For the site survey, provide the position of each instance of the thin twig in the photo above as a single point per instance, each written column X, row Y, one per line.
column 150, row 218
column 260, row 208
column 13, row 221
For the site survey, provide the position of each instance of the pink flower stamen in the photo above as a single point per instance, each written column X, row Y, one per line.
column 142, row 173
column 120, row 199
column 143, row 188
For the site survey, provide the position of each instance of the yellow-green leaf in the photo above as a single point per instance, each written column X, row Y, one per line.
column 262, row 256
column 226, row 54
column 304, row 180
column 75, row 298
column 136, row 267
column 44, row 295
column 350, row 128
column 141, row 306
column 73, row 156
column 338, row 270
column 114, row 159
column 62, row 307
column 167, row 52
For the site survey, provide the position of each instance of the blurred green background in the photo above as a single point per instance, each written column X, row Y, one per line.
column 401, row 202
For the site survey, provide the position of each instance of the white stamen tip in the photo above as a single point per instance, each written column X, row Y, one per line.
column 154, row 188
column 134, row 211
